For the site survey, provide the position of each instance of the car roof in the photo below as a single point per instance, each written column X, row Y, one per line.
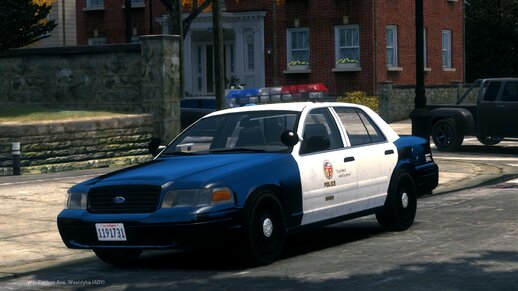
column 291, row 106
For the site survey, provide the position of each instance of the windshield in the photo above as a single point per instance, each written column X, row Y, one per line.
column 256, row 131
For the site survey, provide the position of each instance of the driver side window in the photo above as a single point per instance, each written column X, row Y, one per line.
column 320, row 132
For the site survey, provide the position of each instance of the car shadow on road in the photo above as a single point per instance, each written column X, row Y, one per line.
column 231, row 256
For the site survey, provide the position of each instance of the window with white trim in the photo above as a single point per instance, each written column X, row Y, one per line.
column 392, row 58
column 298, row 45
column 347, row 44
column 446, row 49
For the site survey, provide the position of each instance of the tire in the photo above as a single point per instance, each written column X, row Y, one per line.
column 265, row 228
column 118, row 257
column 446, row 135
column 489, row 140
column 400, row 207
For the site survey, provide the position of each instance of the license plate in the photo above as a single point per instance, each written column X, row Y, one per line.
column 110, row 231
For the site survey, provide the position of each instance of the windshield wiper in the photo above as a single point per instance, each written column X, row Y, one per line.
column 239, row 149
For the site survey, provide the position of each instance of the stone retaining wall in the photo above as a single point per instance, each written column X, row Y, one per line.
column 69, row 145
column 396, row 102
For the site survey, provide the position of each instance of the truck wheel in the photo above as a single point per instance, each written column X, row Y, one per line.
column 118, row 257
column 446, row 135
column 489, row 140
column 265, row 228
column 400, row 207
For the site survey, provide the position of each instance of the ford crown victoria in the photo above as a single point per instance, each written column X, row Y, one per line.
column 261, row 172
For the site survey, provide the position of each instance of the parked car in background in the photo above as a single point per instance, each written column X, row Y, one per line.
column 487, row 110
column 257, row 173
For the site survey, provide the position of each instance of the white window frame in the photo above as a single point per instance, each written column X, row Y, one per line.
column 289, row 54
column 351, row 46
column 392, row 46
column 446, row 35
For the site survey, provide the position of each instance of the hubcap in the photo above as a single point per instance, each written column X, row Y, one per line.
column 267, row 227
column 404, row 200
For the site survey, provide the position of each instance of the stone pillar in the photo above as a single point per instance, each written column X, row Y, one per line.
column 385, row 89
column 161, row 83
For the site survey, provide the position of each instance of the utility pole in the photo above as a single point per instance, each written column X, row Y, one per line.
column 219, row 72
column 420, row 116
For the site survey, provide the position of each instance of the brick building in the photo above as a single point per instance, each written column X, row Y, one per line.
column 345, row 44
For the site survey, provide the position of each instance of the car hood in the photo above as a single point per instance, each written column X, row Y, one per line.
column 186, row 171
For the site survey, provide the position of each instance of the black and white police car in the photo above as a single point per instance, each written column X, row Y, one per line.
column 262, row 172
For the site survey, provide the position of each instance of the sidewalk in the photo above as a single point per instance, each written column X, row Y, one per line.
column 30, row 241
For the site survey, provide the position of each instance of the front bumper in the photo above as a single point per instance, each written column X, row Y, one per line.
column 78, row 230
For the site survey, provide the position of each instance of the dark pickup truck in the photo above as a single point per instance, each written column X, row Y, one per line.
column 487, row 110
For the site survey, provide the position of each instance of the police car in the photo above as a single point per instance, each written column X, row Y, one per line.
column 261, row 172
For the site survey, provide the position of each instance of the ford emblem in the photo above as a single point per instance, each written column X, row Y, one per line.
column 119, row 199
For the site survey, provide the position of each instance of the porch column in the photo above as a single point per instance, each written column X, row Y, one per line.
column 259, row 56
column 187, row 67
column 240, row 56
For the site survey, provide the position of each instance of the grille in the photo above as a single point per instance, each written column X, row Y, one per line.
column 137, row 199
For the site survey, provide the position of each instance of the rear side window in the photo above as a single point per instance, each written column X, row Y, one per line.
column 510, row 93
column 360, row 128
column 492, row 91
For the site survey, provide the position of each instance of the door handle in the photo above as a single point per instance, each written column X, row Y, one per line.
column 348, row 159
column 389, row 152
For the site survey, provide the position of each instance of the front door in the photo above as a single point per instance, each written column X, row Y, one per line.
column 328, row 173
column 498, row 110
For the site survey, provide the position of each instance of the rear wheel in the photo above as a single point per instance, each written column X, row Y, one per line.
column 400, row 207
column 446, row 135
column 119, row 257
column 489, row 140
column 265, row 228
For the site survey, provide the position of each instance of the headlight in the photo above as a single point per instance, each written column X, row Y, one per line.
column 76, row 201
column 197, row 197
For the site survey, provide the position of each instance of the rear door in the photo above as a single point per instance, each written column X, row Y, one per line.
column 375, row 156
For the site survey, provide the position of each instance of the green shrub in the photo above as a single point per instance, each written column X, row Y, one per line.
column 360, row 97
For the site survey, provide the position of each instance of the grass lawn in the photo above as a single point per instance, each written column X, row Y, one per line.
column 10, row 113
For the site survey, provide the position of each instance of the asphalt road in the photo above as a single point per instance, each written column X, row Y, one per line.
column 464, row 240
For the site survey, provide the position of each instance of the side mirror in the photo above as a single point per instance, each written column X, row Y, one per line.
column 289, row 138
column 153, row 145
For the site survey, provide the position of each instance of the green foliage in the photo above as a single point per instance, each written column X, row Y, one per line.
column 297, row 63
column 346, row 61
column 23, row 22
column 491, row 39
column 360, row 97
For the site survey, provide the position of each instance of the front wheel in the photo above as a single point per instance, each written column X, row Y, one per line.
column 446, row 135
column 265, row 228
column 118, row 257
column 400, row 207
column 489, row 140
